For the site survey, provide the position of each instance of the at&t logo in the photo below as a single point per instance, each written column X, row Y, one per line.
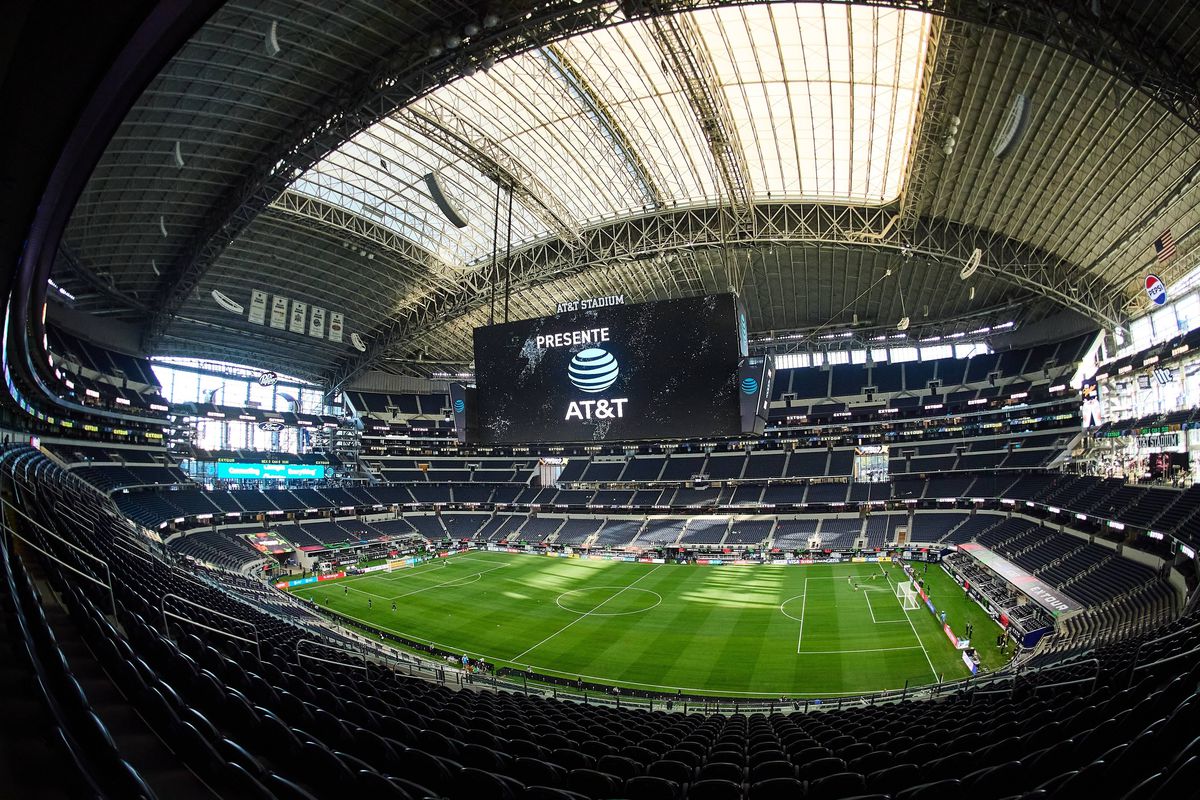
column 594, row 370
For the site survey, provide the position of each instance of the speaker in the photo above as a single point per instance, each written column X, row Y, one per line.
column 451, row 211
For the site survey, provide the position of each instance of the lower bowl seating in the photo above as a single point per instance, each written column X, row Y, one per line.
column 239, row 695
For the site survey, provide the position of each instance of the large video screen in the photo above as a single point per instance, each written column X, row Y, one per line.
column 654, row 370
column 279, row 472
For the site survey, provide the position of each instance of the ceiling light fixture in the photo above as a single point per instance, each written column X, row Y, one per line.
column 272, row 40
column 972, row 264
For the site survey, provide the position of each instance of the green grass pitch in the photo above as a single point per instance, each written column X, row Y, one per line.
column 766, row 631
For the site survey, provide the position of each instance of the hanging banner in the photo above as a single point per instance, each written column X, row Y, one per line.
column 299, row 316
column 258, row 306
column 316, row 323
column 279, row 312
column 335, row 326
column 1156, row 290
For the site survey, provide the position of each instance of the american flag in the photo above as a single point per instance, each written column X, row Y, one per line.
column 1164, row 246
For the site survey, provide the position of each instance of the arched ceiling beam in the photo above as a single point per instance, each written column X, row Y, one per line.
column 606, row 123
column 687, row 59
column 1108, row 41
column 465, row 140
column 683, row 231
column 422, row 263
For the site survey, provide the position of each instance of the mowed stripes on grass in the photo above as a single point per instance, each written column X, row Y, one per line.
column 738, row 631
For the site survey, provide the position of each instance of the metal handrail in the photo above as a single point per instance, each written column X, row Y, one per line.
column 5, row 505
column 111, row 597
column 300, row 655
column 167, row 629
column 90, row 525
column 1137, row 655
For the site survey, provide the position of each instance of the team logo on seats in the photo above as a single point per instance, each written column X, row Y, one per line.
column 593, row 370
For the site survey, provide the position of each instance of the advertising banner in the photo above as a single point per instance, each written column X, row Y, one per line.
column 755, row 376
column 230, row 471
column 1045, row 595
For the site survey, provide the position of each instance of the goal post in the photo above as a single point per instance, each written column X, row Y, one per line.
column 907, row 595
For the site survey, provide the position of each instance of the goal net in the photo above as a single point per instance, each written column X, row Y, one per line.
column 907, row 595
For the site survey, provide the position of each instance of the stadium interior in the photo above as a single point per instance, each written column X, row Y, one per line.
column 600, row 400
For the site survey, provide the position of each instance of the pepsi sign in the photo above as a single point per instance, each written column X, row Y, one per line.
column 1156, row 290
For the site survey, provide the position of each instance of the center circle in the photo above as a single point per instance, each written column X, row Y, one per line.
column 608, row 601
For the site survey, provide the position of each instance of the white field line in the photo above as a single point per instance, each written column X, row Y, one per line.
column 583, row 616
column 447, row 583
column 867, row 650
column 871, row 608
column 803, row 605
column 615, row 682
column 914, row 629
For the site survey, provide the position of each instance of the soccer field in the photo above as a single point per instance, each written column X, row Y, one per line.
column 800, row 631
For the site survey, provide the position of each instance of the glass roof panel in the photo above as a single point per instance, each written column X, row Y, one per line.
column 824, row 96
column 823, row 100
column 380, row 174
column 650, row 108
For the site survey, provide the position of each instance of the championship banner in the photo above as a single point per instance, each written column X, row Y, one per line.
column 316, row 323
column 258, row 306
column 299, row 316
column 336, row 326
column 279, row 309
